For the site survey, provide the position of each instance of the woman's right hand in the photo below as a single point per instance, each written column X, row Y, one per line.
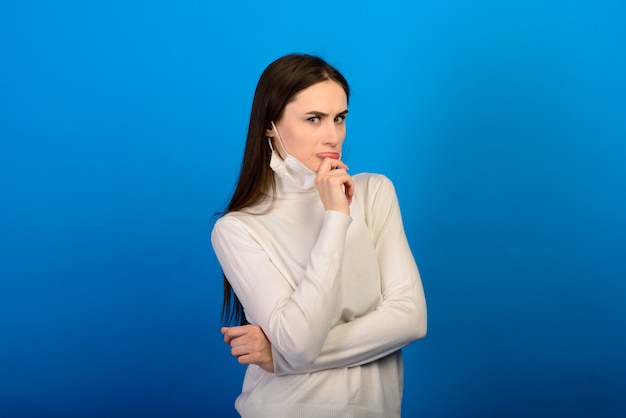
column 334, row 185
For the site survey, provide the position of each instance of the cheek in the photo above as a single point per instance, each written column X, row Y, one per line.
column 300, row 148
column 290, row 140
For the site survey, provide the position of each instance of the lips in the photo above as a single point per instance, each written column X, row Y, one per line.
column 322, row 155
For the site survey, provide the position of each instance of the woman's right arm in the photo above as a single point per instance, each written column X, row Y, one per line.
column 297, row 320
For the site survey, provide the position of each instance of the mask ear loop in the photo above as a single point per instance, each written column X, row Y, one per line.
column 269, row 138
column 279, row 140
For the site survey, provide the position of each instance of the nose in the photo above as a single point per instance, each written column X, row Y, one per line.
column 333, row 135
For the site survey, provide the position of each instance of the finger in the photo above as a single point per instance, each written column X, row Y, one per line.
column 333, row 178
column 245, row 359
column 238, row 331
column 226, row 334
column 233, row 332
column 349, row 190
column 250, row 358
column 248, row 349
column 244, row 350
column 329, row 164
column 255, row 339
column 244, row 335
column 240, row 351
column 241, row 341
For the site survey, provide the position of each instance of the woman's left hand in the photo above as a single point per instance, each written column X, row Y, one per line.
column 250, row 345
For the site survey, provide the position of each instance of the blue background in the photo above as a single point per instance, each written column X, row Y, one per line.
column 502, row 125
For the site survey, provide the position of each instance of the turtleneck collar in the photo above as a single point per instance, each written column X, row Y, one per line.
column 291, row 175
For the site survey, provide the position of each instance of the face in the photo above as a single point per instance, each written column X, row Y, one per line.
column 313, row 124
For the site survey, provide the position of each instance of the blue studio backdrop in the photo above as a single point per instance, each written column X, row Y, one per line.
column 502, row 125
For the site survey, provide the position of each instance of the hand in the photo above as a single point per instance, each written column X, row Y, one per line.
column 334, row 185
column 250, row 345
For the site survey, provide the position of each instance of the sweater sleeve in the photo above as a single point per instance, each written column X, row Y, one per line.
column 400, row 318
column 296, row 321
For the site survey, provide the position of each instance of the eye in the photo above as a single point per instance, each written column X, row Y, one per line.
column 314, row 119
column 340, row 119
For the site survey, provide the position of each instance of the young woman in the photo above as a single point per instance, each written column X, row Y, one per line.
column 318, row 260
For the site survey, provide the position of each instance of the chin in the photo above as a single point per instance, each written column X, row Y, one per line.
column 313, row 165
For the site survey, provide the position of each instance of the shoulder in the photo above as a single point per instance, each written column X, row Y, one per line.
column 372, row 185
column 376, row 196
column 232, row 222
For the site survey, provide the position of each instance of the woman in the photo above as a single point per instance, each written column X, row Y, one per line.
column 318, row 260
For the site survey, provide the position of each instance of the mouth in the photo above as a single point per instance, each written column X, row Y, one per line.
column 322, row 155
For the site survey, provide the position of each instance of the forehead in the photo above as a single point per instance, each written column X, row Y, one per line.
column 326, row 95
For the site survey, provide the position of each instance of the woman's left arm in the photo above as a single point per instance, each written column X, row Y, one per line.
column 401, row 317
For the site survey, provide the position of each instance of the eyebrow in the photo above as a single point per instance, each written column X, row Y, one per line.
column 322, row 114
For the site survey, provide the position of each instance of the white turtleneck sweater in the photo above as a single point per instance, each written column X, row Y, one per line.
column 337, row 295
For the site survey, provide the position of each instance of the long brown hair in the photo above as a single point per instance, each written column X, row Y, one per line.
column 281, row 81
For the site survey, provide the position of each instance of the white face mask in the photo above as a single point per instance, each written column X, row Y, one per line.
column 289, row 167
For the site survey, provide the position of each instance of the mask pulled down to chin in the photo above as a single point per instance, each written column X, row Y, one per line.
column 289, row 167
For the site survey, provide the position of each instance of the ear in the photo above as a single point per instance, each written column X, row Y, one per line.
column 269, row 132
